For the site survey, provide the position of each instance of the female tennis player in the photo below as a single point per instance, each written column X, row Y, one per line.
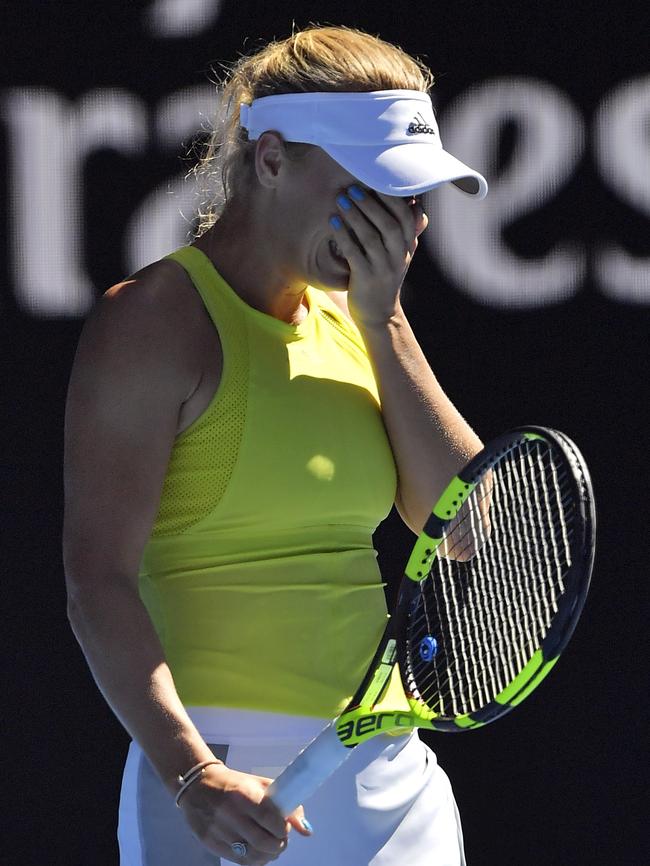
column 241, row 416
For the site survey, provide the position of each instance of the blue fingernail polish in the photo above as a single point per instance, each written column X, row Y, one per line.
column 344, row 201
column 336, row 222
column 305, row 823
column 356, row 193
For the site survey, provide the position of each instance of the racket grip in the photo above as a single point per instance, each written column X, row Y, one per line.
column 307, row 772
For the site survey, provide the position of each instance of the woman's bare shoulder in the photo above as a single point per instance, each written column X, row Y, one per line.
column 154, row 320
column 162, row 287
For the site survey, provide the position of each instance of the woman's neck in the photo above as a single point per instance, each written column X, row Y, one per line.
column 248, row 261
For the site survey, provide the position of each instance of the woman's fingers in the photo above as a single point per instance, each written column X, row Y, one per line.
column 260, row 845
column 357, row 226
column 298, row 821
column 260, row 839
column 383, row 224
column 410, row 214
column 355, row 256
column 230, row 807
column 268, row 816
column 421, row 219
column 253, row 857
column 375, row 227
column 377, row 235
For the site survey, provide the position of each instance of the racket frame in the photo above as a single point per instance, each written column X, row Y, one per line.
column 363, row 719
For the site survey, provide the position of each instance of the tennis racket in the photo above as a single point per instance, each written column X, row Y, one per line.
column 491, row 595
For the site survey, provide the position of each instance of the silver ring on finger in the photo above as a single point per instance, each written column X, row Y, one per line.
column 239, row 849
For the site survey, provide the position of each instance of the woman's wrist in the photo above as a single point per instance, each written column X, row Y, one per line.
column 192, row 775
column 177, row 758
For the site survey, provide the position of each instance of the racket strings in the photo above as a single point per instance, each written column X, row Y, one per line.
column 490, row 613
column 522, row 637
column 522, row 627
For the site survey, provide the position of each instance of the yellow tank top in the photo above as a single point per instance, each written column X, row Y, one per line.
column 260, row 574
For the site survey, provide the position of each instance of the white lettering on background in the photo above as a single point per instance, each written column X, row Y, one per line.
column 163, row 221
column 50, row 138
column 180, row 18
column 622, row 148
column 467, row 236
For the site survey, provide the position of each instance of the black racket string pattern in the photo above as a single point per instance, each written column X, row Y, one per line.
column 480, row 621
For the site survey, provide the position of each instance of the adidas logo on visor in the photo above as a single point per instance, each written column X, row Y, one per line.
column 420, row 125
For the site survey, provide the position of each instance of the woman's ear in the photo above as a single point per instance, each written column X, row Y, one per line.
column 270, row 157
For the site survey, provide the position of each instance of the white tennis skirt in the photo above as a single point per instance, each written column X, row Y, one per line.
column 389, row 804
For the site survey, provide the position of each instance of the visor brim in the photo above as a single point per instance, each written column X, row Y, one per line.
column 406, row 169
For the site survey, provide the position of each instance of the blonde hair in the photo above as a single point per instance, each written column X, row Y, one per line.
column 316, row 59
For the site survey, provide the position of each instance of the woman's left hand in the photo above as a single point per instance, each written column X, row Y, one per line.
column 387, row 230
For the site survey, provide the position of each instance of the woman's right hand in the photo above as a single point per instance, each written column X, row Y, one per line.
column 225, row 806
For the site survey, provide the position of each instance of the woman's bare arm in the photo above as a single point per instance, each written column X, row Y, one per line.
column 133, row 370
column 136, row 364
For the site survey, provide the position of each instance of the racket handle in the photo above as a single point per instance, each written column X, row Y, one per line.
column 307, row 772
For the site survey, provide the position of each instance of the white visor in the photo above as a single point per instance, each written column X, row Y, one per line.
column 387, row 139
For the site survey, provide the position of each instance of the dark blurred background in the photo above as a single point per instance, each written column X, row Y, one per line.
column 532, row 307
